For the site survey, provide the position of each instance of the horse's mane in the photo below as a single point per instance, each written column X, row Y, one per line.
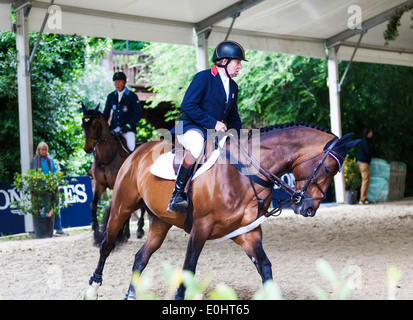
column 289, row 125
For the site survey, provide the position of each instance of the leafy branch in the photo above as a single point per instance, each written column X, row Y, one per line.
column 391, row 33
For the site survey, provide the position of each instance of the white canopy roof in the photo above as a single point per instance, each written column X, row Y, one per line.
column 300, row 27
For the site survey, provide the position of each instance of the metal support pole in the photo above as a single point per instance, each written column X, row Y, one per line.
column 351, row 60
column 24, row 96
column 202, row 50
column 39, row 37
column 335, row 113
column 234, row 17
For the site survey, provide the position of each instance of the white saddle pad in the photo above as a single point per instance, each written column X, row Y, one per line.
column 163, row 166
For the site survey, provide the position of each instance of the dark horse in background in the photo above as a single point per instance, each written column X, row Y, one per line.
column 223, row 198
column 109, row 155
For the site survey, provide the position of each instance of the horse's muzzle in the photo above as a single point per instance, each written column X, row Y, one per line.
column 88, row 150
column 305, row 208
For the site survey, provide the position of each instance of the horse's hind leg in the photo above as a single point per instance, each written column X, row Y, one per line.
column 251, row 242
column 141, row 222
column 156, row 235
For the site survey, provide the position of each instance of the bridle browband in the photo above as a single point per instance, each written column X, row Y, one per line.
column 295, row 196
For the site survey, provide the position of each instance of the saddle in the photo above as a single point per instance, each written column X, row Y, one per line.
column 167, row 165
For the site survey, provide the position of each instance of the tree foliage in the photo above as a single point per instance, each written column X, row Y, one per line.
column 58, row 84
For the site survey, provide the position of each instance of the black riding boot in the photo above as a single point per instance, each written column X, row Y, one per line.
column 179, row 201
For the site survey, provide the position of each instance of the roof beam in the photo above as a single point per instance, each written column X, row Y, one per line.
column 366, row 25
column 231, row 11
column 114, row 15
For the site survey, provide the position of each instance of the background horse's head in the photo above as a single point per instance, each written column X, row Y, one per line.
column 91, row 127
column 314, row 174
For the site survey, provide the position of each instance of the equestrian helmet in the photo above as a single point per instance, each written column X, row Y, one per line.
column 229, row 50
column 119, row 75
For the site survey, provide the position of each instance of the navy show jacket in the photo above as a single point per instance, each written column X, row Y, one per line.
column 126, row 111
column 205, row 102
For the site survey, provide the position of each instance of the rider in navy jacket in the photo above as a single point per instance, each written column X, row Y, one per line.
column 206, row 102
column 125, row 112
column 210, row 103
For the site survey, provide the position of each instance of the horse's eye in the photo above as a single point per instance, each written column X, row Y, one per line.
column 327, row 170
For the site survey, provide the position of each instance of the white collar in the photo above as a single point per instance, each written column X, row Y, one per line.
column 120, row 93
column 223, row 75
column 225, row 81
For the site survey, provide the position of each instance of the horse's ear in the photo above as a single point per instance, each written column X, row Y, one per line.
column 83, row 108
column 345, row 144
column 97, row 108
column 352, row 144
column 346, row 138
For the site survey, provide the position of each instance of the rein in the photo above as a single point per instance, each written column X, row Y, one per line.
column 295, row 196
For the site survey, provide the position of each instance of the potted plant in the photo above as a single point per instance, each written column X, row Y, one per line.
column 41, row 197
column 352, row 178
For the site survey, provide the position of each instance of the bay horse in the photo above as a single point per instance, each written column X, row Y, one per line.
column 223, row 198
column 109, row 155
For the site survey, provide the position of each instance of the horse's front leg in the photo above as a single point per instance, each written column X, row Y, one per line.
column 197, row 239
column 251, row 242
column 114, row 225
column 158, row 230
column 98, row 189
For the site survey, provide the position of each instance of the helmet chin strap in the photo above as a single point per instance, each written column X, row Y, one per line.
column 225, row 67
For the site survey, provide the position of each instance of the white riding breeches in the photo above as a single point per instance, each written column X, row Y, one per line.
column 129, row 137
column 130, row 140
column 193, row 141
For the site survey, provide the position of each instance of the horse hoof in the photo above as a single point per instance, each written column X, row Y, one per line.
column 129, row 297
column 140, row 234
column 92, row 292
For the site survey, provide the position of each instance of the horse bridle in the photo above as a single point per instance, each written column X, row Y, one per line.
column 329, row 151
column 93, row 117
column 296, row 196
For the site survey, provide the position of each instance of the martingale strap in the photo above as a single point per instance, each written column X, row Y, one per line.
column 247, row 172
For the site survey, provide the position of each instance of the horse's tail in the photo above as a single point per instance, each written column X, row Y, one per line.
column 100, row 233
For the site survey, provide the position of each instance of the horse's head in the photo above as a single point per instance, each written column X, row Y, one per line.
column 315, row 173
column 91, row 127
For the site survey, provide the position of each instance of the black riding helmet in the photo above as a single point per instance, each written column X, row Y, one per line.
column 228, row 50
column 119, row 76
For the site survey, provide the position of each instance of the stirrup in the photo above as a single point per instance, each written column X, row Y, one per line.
column 174, row 207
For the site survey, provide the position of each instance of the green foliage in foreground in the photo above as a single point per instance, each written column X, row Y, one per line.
column 341, row 285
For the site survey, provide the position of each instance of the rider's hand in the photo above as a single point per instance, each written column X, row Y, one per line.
column 126, row 128
column 220, row 126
